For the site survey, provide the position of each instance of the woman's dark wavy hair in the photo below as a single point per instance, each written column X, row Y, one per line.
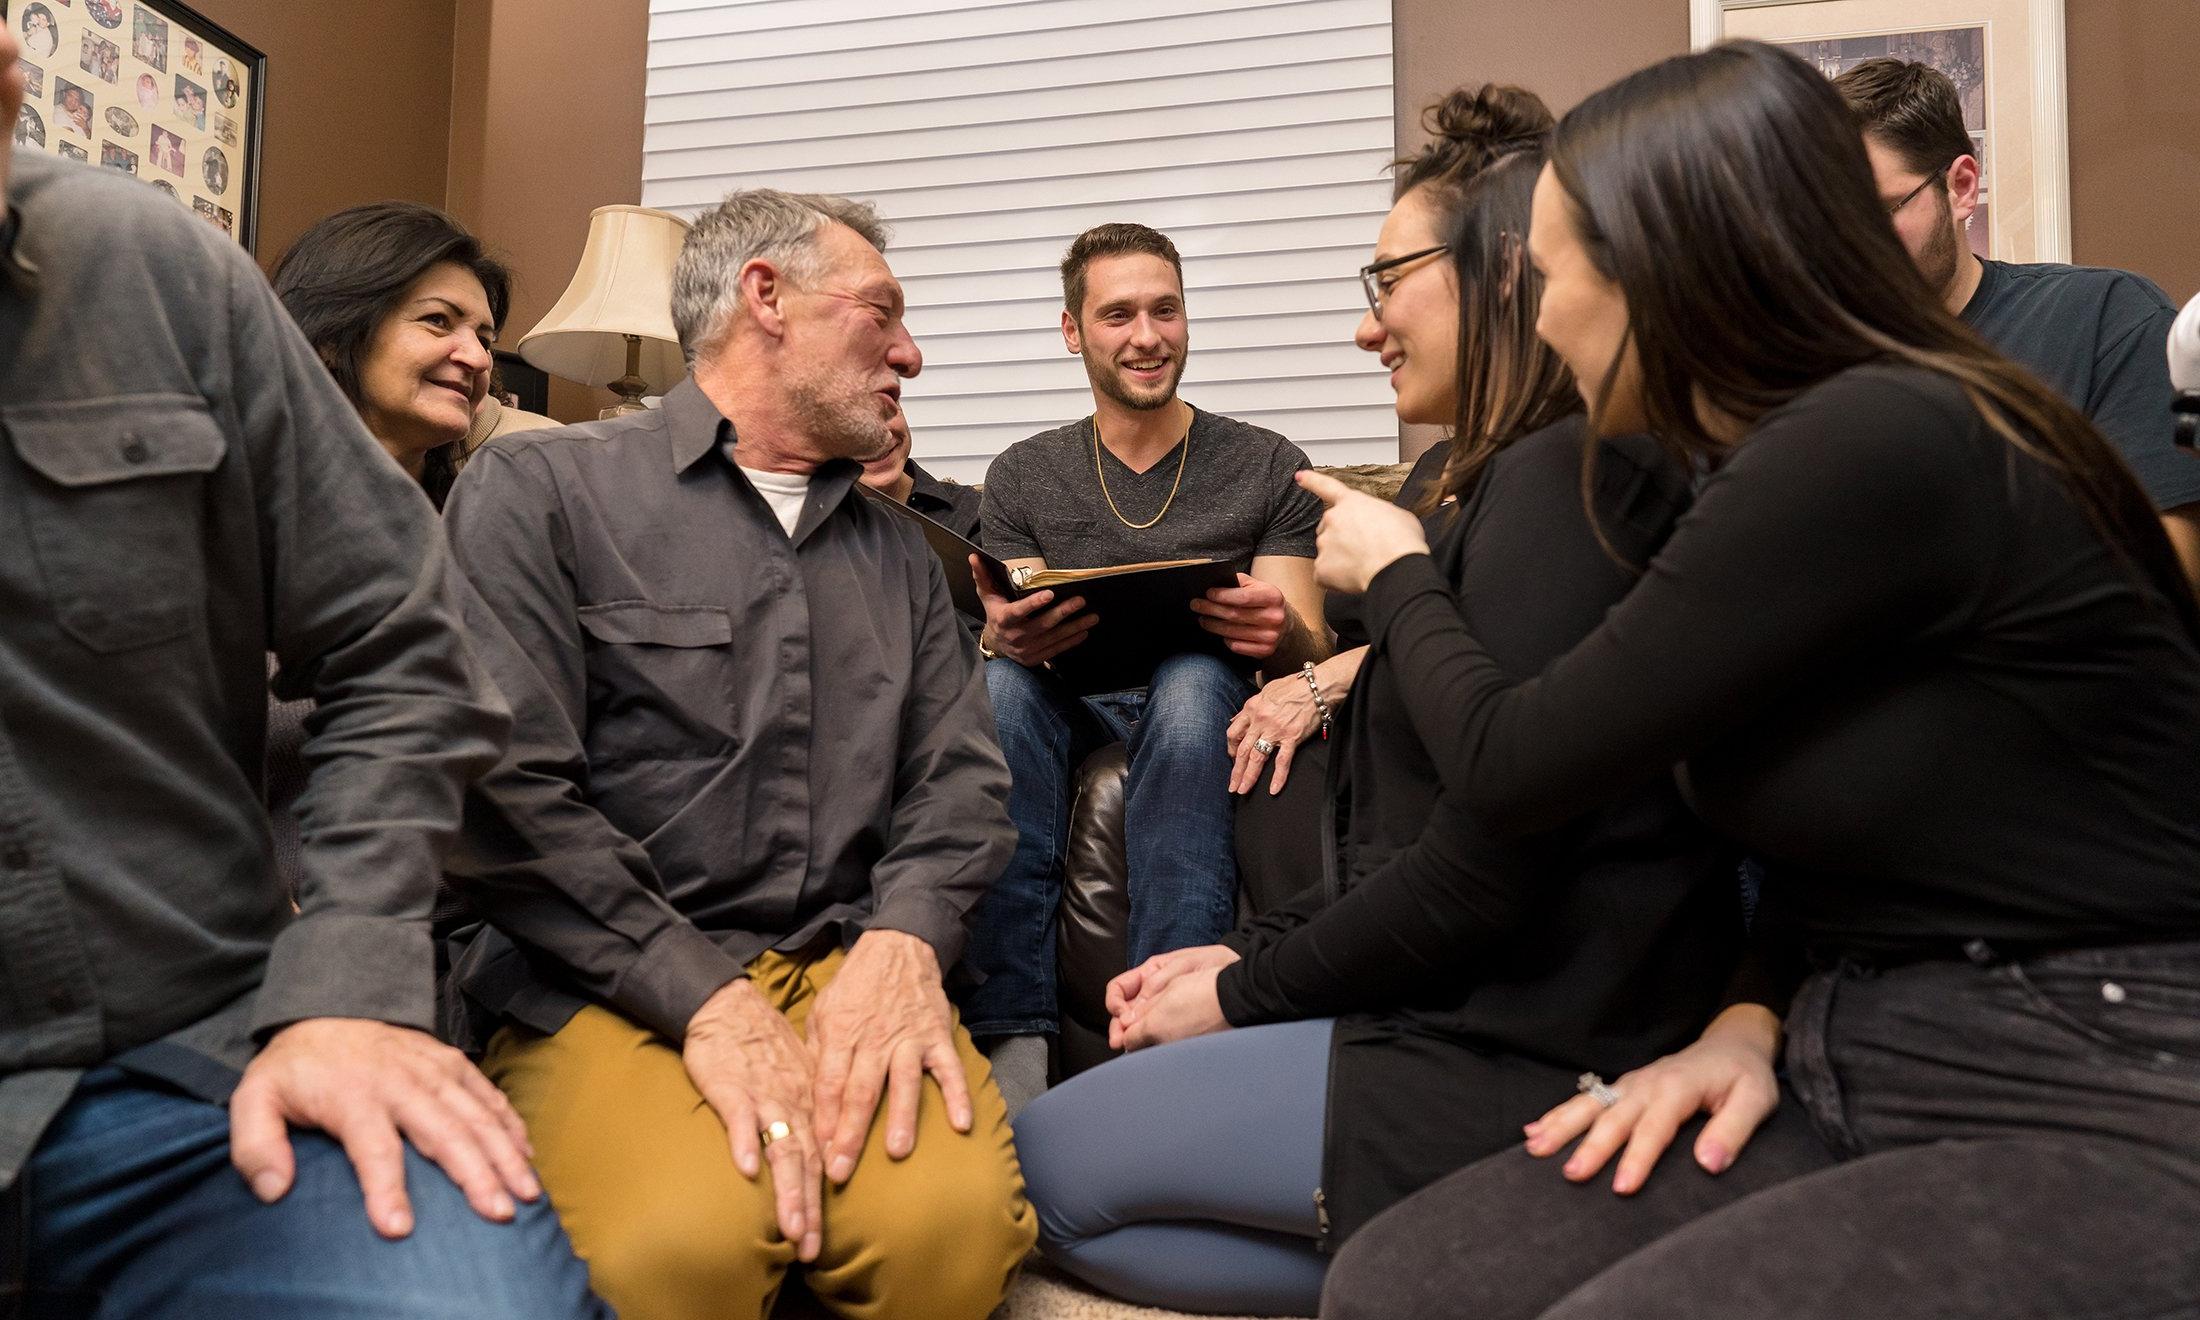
column 349, row 272
column 1728, row 194
column 1487, row 145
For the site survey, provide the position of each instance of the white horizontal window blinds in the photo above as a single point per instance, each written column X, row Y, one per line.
column 990, row 132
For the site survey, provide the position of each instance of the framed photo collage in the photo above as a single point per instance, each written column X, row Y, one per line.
column 149, row 88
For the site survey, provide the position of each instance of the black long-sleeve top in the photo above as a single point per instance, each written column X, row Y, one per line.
column 1895, row 659
column 1600, row 941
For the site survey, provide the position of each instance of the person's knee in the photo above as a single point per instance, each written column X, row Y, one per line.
column 1364, row 1280
column 950, row 1254
column 1054, row 1144
column 474, row 1267
column 1197, row 685
column 954, row 1260
column 1022, row 706
column 651, row 1253
column 1188, row 707
column 1043, row 1133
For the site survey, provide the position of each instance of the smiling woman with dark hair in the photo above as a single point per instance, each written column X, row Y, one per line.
column 1922, row 645
column 403, row 305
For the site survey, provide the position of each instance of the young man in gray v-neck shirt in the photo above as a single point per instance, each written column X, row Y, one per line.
column 1145, row 477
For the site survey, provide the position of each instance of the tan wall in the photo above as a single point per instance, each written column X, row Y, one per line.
column 2134, row 122
column 546, row 126
column 518, row 116
column 2135, row 138
column 358, row 105
column 1562, row 50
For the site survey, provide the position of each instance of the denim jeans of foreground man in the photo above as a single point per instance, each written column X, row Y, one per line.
column 1177, row 832
column 134, row 1211
column 1957, row 1140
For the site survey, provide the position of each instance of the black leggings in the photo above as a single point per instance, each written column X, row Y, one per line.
column 2014, row 1140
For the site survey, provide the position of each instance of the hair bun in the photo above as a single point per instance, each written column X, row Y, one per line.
column 1490, row 119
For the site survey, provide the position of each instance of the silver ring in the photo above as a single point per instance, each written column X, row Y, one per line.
column 1264, row 747
column 1595, row 1087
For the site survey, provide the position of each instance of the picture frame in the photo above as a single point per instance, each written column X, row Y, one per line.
column 2008, row 60
column 150, row 88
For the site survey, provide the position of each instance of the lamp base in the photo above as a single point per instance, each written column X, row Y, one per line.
column 630, row 388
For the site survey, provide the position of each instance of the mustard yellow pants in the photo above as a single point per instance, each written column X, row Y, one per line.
column 639, row 1169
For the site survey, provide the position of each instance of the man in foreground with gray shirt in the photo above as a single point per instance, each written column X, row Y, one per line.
column 183, row 489
column 763, row 775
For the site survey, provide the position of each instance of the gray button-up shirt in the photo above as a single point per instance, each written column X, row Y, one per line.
column 183, row 490
column 728, row 739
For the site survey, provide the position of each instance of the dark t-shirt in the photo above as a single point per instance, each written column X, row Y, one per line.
column 1237, row 501
column 2100, row 337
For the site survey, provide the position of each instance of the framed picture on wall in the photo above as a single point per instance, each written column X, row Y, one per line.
column 2006, row 60
column 149, row 88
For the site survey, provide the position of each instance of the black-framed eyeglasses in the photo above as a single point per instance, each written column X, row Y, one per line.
column 1371, row 283
column 1911, row 196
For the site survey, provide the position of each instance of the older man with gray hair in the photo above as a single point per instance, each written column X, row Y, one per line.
column 759, row 775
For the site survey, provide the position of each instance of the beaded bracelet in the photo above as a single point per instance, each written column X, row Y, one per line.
column 1314, row 685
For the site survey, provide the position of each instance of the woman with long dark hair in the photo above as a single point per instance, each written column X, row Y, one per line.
column 1433, row 984
column 1922, row 645
column 403, row 306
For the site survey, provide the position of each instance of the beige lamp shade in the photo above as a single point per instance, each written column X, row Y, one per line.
column 623, row 287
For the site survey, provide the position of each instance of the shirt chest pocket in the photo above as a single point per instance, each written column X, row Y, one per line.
column 659, row 682
column 113, row 500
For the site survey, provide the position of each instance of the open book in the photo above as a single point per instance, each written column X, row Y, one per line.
column 1145, row 609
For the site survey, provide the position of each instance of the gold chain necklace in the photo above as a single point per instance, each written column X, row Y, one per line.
column 1182, row 461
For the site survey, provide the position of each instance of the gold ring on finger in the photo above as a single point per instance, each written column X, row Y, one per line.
column 777, row 1130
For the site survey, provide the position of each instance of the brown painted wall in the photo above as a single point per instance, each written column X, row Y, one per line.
column 358, row 105
column 546, row 126
column 1560, row 49
column 2135, row 138
column 518, row 116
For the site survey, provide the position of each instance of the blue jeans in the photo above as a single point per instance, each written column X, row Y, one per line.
column 1177, row 830
column 134, row 1210
column 1184, row 1176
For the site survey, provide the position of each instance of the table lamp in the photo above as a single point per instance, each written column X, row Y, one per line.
column 613, row 326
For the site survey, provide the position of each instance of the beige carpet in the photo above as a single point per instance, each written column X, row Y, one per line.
column 1043, row 1294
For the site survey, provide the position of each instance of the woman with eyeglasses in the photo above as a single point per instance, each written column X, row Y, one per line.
column 1434, row 984
column 1279, row 742
column 1922, row 644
